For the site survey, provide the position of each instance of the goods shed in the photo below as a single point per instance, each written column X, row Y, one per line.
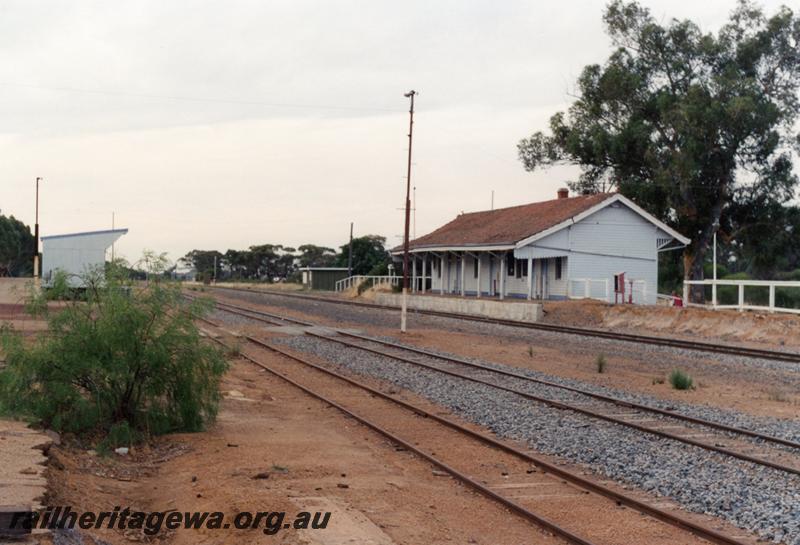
column 322, row 278
column 76, row 253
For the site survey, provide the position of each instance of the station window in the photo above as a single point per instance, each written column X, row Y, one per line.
column 438, row 267
column 475, row 267
column 522, row 266
column 510, row 263
column 558, row 268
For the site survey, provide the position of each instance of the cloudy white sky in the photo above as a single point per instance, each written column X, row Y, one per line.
column 224, row 124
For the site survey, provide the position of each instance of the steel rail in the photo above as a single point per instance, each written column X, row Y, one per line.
column 602, row 397
column 517, row 508
column 556, row 404
column 587, row 332
column 621, row 402
column 672, row 519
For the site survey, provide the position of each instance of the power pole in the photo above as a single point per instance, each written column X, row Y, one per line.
column 36, row 235
column 215, row 269
column 350, row 253
column 404, row 308
column 112, row 244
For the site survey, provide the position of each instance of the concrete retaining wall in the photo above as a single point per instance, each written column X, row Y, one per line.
column 524, row 312
column 14, row 291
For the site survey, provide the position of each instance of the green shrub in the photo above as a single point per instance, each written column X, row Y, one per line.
column 125, row 361
column 235, row 349
column 681, row 380
column 601, row 363
column 363, row 286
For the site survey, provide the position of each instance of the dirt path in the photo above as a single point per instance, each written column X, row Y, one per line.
column 274, row 448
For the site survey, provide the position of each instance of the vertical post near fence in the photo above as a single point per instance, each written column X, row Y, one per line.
column 741, row 297
column 350, row 253
column 714, row 282
column 772, row 298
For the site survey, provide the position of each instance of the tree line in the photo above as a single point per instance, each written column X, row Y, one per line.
column 270, row 262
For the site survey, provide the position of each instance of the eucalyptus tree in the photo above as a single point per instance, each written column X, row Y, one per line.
column 685, row 122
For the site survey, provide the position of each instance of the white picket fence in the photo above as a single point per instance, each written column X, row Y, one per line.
column 601, row 289
column 741, row 303
column 589, row 288
column 356, row 280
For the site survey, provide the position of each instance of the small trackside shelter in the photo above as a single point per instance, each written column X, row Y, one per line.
column 76, row 253
column 569, row 247
column 322, row 278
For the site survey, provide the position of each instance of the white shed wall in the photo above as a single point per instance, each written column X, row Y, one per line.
column 76, row 254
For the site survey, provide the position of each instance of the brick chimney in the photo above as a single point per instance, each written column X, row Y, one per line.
column 563, row 193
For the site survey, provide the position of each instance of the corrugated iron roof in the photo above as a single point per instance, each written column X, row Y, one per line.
column 507, row 225
column 87, row 233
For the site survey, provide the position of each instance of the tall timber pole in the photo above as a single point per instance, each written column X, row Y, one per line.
column 404, row 308
column 350, row 253
column 36, row 237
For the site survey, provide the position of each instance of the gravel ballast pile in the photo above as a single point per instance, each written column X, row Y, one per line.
column 786, row 429
column 759, row 499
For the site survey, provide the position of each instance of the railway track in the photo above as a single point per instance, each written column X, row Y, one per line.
column 712, row 436
column 582, row 331
column 551, row 497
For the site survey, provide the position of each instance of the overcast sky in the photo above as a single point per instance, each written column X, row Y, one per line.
column 220, row 125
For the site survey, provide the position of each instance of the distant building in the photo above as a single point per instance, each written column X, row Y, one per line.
column 565, row 247
column 184, row 273
column 76, row 253
column 322, row 278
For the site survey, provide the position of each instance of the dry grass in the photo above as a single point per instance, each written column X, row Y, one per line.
column 777, row 395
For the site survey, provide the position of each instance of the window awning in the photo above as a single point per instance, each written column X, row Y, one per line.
column 537, row 252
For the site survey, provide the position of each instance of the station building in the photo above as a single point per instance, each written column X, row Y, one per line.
column 568, row 247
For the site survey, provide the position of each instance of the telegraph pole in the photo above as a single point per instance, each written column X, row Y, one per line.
column 36, row 235
column 404, row 309
column 350, row 253
column 112, row 244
